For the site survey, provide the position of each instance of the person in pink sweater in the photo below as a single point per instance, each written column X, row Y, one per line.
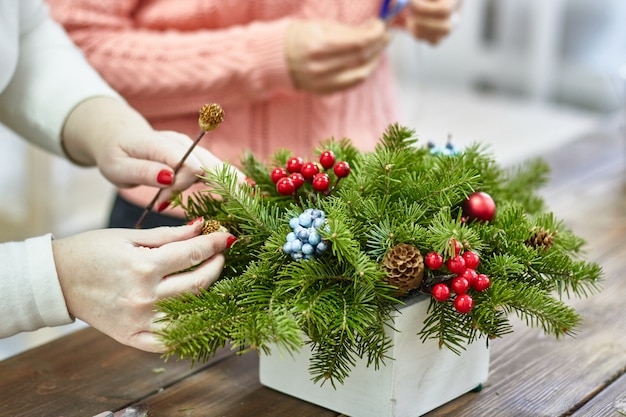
column 287, row 73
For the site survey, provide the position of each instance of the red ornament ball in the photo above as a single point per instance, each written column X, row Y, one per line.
column 441, row 292
column 327, row 159
column 309, row 170
column 433, row 260
column 297, row 179
column 479, row 206
column 321, row 182
column 342, row 169
column 456, row 265
column 460, row 284
column 463, row 303
column 481, row 283
column 470, row 275
column 285, row 186
column 278, row 173
column 471, row 259
column 294, row 164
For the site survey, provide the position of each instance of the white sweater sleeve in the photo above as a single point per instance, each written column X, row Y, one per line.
column 46, row 77
column 52, row 76
column 30, row 293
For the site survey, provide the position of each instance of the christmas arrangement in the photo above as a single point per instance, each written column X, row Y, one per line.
column 329, row 248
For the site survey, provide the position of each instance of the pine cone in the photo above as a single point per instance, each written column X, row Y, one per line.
column 541, row 238
column 405, row 267
column 211, row 226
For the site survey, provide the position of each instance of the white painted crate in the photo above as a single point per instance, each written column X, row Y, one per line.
column 421, row 378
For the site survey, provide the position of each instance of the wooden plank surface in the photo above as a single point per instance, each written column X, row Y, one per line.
column 608, row 402
column 230, row 388
column 83, row 374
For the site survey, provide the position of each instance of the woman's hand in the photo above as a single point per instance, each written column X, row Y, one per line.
column 112, row 278
column 106, row 132
column 431, row 20
column 325, row 57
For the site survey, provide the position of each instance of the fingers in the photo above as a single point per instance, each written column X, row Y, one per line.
column 432, row 20
column 344, row 79
column 206, row 248
column 431, row 31
column 175, row 249
column 193, row 281
column 160, row 236
column 341, row 40
column 434, row 9
column 151, row 160
column 325, row 57
column 147, row 341
column 184, row 254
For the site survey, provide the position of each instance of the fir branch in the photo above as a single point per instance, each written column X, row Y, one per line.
column 539, row 309
column 249, row 210
column 566, row 275
column 444, row 324
column 446, row 184
column 520, row 182
column 397, row 138
column 444, row 227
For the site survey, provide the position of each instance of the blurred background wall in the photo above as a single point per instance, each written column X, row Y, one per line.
column 519, row 75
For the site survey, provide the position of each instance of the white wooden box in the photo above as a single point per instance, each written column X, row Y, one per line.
column 421, row 378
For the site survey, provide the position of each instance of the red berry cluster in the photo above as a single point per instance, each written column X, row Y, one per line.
column 463, row 266
column 289, row 179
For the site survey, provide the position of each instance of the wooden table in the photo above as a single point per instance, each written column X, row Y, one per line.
column 85, row 373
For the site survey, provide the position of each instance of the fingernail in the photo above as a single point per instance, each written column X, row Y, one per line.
column 165, row 177
column 163, row 206
column 230, row 241
column 196, row 220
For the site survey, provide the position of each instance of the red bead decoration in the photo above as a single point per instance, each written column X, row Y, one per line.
column 471, row 259
column 456, row 265
column 441, row 292
column 321, row 182
column 342, row 169
column 250, row 181
column 479, row 206
column 294, row 164
column 433, row 260
column 298, row 179
column 285, row 186
column 460, row 284
column 327, row 159
column 309, row 170
column 482, row 282
column 278, row 173
column 470, row 275
column 463, row 303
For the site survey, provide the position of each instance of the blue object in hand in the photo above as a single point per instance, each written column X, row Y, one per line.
column 387, row 10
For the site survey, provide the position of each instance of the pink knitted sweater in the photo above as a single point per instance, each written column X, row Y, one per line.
column 169, row 57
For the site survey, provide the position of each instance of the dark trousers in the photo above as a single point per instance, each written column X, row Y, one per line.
column 125, row 214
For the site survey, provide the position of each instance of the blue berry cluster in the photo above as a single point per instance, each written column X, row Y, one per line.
column 449, row 149
column 304, row 242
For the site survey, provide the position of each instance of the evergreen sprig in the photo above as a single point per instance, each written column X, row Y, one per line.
column 340, row 305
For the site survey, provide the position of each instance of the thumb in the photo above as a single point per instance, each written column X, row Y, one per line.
column 159, row 236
